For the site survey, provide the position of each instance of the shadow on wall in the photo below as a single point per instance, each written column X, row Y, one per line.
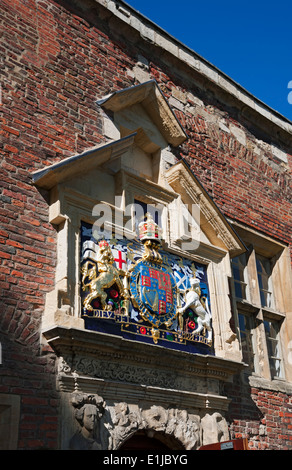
column 242, row 407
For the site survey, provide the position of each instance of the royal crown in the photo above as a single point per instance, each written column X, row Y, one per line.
column 103, row 243
column 149, row 230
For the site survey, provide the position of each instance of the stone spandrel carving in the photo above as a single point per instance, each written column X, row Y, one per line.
column 214, row 429
column 108, row 427
column 88, row 411
column 175, row 423
column 125, row 423
column 185, row 427
column 157, row 419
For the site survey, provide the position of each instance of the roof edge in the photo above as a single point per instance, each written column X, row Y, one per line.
column 153, row 33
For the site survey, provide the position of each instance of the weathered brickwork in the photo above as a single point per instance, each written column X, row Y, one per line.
column 57, row 60
column 266, row 417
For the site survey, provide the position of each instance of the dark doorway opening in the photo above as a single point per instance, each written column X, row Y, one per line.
column 159, row 441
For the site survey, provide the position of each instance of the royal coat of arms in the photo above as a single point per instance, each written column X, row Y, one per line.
column 134, row 288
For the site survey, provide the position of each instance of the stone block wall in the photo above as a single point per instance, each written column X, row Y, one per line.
column 57, row 59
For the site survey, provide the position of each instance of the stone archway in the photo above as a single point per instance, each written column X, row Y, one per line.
column 155, row 427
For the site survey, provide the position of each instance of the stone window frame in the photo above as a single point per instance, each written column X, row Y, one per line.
column 278, row 254
column 276, row 340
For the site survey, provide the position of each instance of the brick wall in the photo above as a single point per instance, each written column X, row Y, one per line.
column 262, row 416
column 57, row 61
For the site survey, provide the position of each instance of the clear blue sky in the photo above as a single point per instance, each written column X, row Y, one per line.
column 250, row 41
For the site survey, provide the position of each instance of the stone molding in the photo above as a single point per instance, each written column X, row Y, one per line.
column 183, row 182
column 94, row 361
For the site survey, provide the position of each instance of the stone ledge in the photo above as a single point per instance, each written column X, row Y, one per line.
column 70, row 342
column 276, row 385
column 141, row 393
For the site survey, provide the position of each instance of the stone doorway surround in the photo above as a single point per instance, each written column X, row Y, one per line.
column 134, row 390
column 111, row 387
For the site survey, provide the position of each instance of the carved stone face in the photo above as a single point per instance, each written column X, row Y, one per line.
column 89, row 417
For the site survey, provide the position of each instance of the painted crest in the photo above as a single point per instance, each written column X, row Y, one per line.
column 154, row 292
column 137, row 290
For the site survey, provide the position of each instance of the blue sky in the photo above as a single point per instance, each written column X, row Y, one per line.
column 250, row 41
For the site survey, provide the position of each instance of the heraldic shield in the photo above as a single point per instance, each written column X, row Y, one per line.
column 154, row 291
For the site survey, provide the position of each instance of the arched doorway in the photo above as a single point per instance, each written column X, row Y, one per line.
column 143, row 440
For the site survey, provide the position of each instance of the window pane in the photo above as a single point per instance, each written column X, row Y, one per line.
column 238, row 290
column 263, row 298
column 274, row 348
column 246, row 328
column 236, row 273
column 265, row 281
column 238, row 265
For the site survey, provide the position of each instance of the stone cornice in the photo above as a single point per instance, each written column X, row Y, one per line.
column 70, row 342
column 68, row 168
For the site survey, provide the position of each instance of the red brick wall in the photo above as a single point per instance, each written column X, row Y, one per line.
column 56, row 63
column 262, row 416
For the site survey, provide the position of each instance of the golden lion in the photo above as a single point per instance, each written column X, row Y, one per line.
column 108, row 275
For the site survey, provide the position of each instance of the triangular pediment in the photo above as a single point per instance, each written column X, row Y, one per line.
column 213, row 224
column 144, row 99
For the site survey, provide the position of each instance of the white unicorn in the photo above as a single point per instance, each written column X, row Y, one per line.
column 193, row 301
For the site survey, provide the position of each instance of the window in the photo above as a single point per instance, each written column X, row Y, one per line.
column 239, row 276
column 246, row 327
column 265, row 282
column 272, row 329
column 261, row 283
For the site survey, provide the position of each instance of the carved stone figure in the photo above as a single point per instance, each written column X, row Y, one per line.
column 89, row 409
column 156, row 418
column 108, row 275
column 125, row 423
column 214, row 428
column 193, row 301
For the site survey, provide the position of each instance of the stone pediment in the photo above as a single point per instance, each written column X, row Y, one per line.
column 147, row 101
column 83, row 163
column 145, row 126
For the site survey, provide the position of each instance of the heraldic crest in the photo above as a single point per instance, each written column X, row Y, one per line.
column 135, row 288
